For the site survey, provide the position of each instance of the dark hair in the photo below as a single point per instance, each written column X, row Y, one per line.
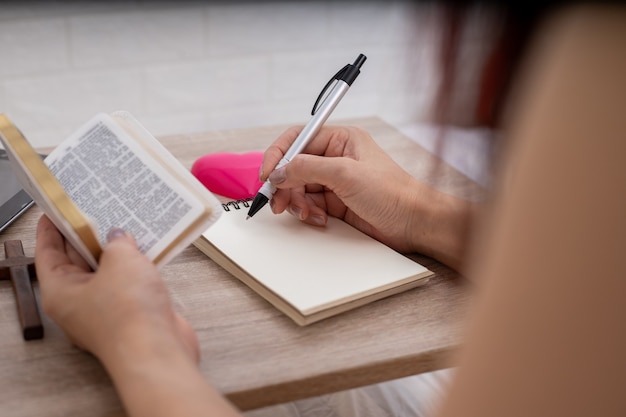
column 518, row 22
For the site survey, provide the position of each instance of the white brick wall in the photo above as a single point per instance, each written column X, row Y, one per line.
column 193, row 66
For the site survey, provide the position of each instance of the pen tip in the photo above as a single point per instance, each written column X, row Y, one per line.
column 247, row 217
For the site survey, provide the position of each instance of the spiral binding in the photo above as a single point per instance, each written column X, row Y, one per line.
column 237, row 204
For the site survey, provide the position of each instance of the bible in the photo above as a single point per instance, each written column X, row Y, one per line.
column 309, row 273
column 110, row 173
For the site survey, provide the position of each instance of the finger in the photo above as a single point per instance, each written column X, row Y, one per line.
column 307, row 207
column 330, row 141
column 75, row 257
column 277, row 150
column 333, row 141
column 54, row 268
column 117, row 233
column 333, row 205
column 50, row 252
column 280, row 201
column 316, row 214
column 121, row 250
column 332, row 173
column 298, row 205
column 284, row 199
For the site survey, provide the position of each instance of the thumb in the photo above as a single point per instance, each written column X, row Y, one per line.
column 116, row 233
column 121, row 257
column 333, row 173
column 120, row 242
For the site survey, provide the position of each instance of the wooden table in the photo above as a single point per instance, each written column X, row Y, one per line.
column 253, row 353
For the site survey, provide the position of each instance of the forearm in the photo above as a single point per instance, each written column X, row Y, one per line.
column 158, row 379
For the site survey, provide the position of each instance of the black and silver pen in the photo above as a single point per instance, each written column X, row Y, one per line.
column 344, row 79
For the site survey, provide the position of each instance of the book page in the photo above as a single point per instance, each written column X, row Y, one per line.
column 117, row 184
column 312, row 268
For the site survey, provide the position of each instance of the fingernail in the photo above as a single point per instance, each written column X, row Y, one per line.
column 115, row 233
column 278, row 175
column 296, row 211
column 318, row 220
column 261, row 173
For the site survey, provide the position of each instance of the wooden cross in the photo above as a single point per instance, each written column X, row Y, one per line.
column 19, row 269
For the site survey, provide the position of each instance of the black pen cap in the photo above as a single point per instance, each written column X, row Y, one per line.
column 353, row 70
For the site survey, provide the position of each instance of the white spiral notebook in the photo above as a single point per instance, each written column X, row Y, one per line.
column 307, row 272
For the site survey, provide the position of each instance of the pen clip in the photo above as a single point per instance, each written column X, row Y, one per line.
column 327, row 86
column 347, row 74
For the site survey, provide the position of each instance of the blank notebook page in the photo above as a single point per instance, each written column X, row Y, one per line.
column 310, row 267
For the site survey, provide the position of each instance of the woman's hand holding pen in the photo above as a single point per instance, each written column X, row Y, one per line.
column 345, row 174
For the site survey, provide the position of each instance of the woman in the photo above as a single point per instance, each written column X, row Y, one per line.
column 547, row 334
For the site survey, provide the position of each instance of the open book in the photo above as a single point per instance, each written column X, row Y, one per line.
column 307, row 272
column 113, row 173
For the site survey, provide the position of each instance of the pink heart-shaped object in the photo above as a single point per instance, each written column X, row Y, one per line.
column 231, row 175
